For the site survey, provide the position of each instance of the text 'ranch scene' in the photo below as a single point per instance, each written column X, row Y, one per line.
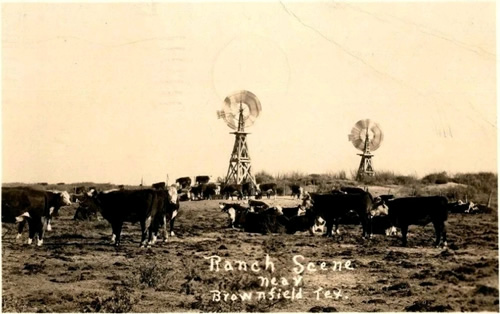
column 273, row 156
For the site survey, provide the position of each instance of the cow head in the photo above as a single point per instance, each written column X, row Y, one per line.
column 65, row 198
column 379, row 208
column 172, row 194
column 88, row 206
column 319, row 225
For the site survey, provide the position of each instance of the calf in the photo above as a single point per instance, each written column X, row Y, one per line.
column 268, row 188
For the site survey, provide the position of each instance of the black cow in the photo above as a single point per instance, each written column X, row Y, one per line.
column 268, row 221
column 306, row 222
column 34, row 206
column 183, row 182
column 248, row 189
column 236, row 213
column 121, row 206
column 158, row 186
column 332, row 207
column 232, row 190
column 202, row 180
column 292, row 211
column 257, row 205
column 268, row 188
column 407, row 211
column 297, row 190
column 203, row 191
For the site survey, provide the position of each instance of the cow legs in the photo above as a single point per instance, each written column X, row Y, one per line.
column 117, row 230
column 145, row 225
column 404, row 233
column 172, row 234
column 329, row 227
column 440, row 229
column 20, row 228
column 32, row 231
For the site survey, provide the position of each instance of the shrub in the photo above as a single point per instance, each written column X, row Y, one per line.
column 436, row 178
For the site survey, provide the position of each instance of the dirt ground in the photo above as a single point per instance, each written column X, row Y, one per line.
column 77, row 270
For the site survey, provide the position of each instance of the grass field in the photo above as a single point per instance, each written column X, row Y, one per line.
column 76, row 270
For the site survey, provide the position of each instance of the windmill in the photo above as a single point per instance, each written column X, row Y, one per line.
column 366, row 136
column 240, row 110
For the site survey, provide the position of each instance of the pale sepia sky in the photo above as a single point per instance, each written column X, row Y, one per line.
column 115, row 92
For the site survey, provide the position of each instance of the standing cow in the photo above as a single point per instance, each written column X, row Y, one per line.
column 297, row 190
column 407, row 211
column 332, row 207
column 268, row 188
column 145, row 206
column 24, row 204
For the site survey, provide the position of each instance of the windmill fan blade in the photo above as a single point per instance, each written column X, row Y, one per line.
column 248, row 102
column 361, row 129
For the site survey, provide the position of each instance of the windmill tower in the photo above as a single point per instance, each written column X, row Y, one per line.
column 366, row 136
column 240, row 110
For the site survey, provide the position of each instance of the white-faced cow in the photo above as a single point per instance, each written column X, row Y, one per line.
column 24, row 204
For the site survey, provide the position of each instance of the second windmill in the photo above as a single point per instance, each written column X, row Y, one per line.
column 240, row 110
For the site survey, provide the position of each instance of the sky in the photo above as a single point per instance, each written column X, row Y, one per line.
column 116, row 92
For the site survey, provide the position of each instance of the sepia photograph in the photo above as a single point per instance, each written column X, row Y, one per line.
column 237, row 156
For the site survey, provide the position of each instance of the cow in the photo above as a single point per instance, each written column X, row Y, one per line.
column 34, row 206
column 297, row 190
column 268, row 221
column 169, row 209
column 158, row 186
column 462, row 208
column 119, row 206
column 203, row 191
column 183, row 182
column 332, row 207
column 248, row 189
column 202, row 180
column 292, row 211
column 421, row 210
column 232, row 190
column 257, row 205
column 268, row 188
column 305, row 221
column 236, row 213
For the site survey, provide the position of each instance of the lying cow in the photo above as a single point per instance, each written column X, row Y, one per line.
column 236, row 213
column 290, row 212
column 407, row 211
column 132, row 206
column 23, row 204
column 268, row 221
column 257, row 205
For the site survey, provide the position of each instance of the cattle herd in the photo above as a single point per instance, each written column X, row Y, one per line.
column 155, row 208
